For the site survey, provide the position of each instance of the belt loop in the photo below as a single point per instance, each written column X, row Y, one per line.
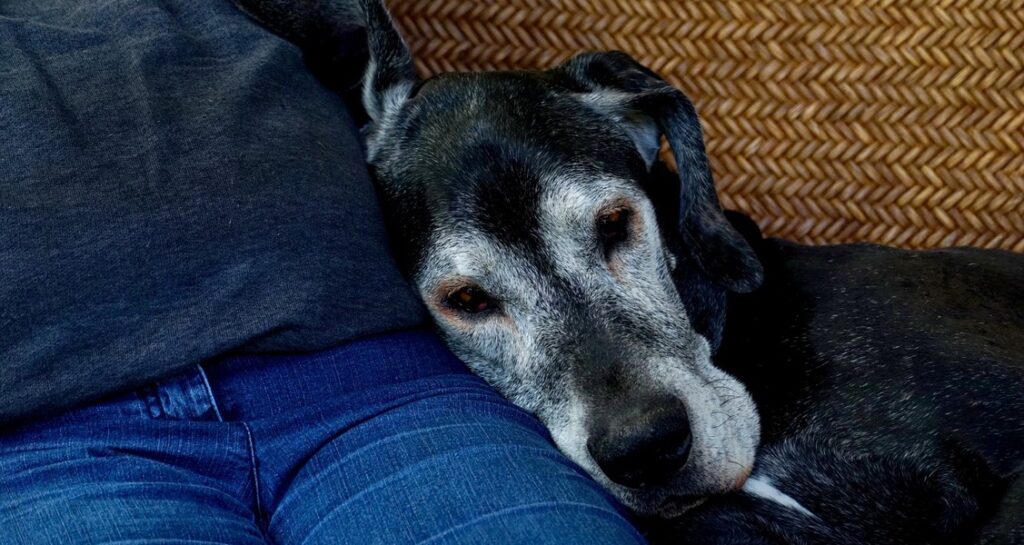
column 209, row 392
column 187, row 396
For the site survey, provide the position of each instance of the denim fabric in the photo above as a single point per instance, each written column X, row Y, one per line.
column 384, row 440
column 174, row 185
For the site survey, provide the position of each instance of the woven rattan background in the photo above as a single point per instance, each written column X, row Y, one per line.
column 891, row 121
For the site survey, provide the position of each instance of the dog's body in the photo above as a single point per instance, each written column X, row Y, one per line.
column 588, row 283
column 890, row 386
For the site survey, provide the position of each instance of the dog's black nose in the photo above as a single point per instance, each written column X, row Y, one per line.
column 643, row 447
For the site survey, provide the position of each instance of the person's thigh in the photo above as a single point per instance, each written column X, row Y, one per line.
column 110, row 474
column 444, row 461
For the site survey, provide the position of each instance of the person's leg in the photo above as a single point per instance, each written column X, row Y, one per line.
column 398, row 443
column 459, row 465
column 129, row 471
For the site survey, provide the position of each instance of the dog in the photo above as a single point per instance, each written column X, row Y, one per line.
column 569, row 266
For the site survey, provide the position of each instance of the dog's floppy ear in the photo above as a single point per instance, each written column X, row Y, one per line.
column 647, row 107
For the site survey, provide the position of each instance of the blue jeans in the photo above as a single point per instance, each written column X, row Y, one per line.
column 384, row 440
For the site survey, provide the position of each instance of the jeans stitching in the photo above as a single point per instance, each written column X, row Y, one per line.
column 531, row 507
column 209, row 390
column 255, row 471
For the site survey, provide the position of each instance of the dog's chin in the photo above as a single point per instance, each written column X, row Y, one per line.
column 725, row 432
column 673, row 500
column 676, row 506
column 710, row 472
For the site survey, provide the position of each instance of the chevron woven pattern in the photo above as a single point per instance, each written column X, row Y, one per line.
column 892, row 121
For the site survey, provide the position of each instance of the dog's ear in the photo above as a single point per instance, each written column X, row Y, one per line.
column 646, row 107
column 390, row 74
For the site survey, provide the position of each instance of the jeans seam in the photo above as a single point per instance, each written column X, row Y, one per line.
column 209, row 391
column 255, row 472
column 530, row 507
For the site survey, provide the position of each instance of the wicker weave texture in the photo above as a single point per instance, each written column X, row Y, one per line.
column 892, row 121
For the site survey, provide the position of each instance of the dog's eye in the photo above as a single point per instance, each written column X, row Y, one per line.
column 470, row 300
column 613, row 227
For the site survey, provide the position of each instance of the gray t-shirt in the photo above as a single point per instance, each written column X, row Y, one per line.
column 174, row 186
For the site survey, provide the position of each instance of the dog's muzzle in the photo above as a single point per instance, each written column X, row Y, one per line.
column 646, row 445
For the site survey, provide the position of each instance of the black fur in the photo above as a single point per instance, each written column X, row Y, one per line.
column 890, row 385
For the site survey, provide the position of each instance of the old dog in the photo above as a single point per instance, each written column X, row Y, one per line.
column 569, row 266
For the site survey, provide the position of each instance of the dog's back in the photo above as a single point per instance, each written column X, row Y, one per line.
column 891, row 389
column 866, row 343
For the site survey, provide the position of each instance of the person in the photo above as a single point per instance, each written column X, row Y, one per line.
column 203, row 338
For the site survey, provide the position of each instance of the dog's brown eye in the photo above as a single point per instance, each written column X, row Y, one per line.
column 613, row 226
column 470, row 300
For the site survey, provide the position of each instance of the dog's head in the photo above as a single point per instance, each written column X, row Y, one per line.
column 566, row 264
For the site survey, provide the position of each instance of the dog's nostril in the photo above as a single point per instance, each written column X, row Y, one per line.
column 645, row 451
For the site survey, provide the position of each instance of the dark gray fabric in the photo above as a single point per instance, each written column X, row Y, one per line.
column 174, row 186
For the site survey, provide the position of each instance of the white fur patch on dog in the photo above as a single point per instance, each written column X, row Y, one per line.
column 763, row 488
